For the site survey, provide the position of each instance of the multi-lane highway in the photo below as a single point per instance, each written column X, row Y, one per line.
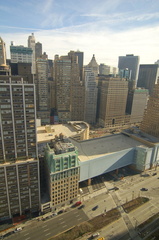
column 42, row 230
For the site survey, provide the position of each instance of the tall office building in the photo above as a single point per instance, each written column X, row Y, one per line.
column 107, row 70
column 41, row 81
column 69, row 88
column 112, row 97
column 132, row 63
column 21, row 54
column 150, row 120
column 31, row 44
column 93, row 65
column 148, row 75
column 19, row 165
column 136, row 104
column 91, row 92
column 38, row 50
column 2, row 52
column 80, row 56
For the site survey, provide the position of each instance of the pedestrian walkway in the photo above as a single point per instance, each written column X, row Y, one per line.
column 133, row 233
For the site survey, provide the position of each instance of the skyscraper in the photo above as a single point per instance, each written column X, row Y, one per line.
column 2, row 52
column 91, row 92
column 31, row 44
column 41, row 81
column 107, row 70
column 19, row 165
column 112, row 97
column 93, row 65
column 150, row 120
column 21, row 54
column 38, row 50
column 132, row 63
column 136, row 104
column 69, row 88
column 148, row 75
column 80, row 56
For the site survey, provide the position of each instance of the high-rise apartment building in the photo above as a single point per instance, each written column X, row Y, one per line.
column 62, row 171
column 19, row 165
column 31, row 44
column 112, row 97
column 41, row 81
column 132, row 63
column 148, row 75
column 69, row 88
column 2, row 52
column 150, row 120
column 91, row 92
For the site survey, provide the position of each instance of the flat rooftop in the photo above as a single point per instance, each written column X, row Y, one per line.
column 98, row 147
column 43, row 136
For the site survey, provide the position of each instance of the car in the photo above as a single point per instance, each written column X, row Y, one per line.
column 94, row 208
column 59, row 212
column 154, row 174
column 18, row 229
column 82, row 206
column 78, row 203
column 101, row 238
column 54, row 214
column 144, row 189
column 95, row 235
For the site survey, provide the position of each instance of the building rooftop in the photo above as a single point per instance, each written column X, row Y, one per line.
column 45, row 135
column 97, row 147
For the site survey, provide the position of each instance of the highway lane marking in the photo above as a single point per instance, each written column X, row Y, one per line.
column 46, row 229
column 62, row 222
column 26, row 234
column 47, row 234
column 44, row 226
column 77, row 215
column 79, row 218
column 27, row 238
column 64, row 226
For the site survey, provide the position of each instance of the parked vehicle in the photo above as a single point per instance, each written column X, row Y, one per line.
column 82, row 206
column 95, row 235
column 78, row 203
column 144, row 189
column 94, row 208
column 18, row 229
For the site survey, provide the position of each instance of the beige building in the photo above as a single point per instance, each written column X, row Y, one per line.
column 19, row 165
column 112, row 97
column 2, row 52
column 42, row 96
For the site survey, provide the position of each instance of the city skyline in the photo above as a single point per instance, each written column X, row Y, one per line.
column 108, row 29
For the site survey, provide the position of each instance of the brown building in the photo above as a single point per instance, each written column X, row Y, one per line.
column 69, row 88
column 112, row 97
column 150, row 123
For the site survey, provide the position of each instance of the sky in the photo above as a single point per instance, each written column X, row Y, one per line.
column 106, row 28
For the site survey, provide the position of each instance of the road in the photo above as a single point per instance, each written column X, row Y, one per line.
column 42, row 230
column 106, row 199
